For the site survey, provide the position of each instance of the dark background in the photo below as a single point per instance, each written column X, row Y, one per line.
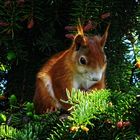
column 31, row 31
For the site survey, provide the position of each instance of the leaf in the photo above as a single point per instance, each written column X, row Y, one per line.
column 30, row 24
column 105, row 15
column 11, row 55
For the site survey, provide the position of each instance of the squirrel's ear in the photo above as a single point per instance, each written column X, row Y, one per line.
column 104, row 37
column 78, row 41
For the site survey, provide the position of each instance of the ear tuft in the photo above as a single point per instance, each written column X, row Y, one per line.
column 78, row 41
column 104, row 37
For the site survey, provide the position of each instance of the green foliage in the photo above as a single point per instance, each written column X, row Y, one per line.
column 96, row 115
column 86, row 106
column 13, row 100
column 2, row 118
column 60, row 131
column 11, row 55
column 7, row 132
column 122, row 103
column 29, row 132
column 100, row 115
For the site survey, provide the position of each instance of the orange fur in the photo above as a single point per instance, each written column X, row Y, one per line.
column 65, row 71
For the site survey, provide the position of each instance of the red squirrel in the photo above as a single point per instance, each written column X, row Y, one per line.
column 82, row 66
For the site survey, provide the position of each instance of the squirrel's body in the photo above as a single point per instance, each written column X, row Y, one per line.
column 82, row 66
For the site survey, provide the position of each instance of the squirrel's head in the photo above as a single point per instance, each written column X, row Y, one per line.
column 88, row 55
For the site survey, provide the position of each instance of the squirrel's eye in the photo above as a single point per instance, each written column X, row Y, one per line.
column 83, row 60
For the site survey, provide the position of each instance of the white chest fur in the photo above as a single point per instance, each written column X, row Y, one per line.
column 81, row 81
